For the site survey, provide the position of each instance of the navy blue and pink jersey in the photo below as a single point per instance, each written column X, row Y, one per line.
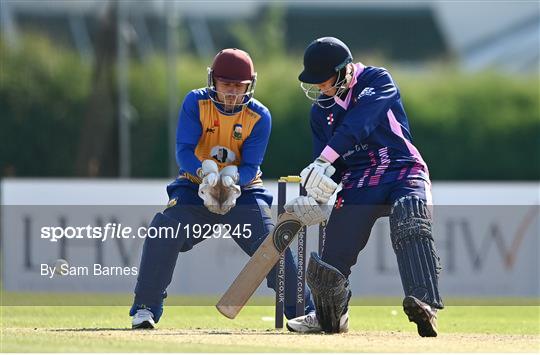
column 366, row 134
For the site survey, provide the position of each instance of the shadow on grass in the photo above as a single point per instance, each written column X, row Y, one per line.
column 176, row 332
column 90, row 329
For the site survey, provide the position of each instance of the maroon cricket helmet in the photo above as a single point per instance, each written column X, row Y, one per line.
column 234, row 66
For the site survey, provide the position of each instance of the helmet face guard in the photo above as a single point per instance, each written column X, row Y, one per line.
column 241, row 99
column 320, row 97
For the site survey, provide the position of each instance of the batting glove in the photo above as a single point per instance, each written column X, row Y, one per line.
column 315, row 178
column 307, row 210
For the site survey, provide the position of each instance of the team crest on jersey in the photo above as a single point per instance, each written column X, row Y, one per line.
column 330, row 119
column 237, row 131
column 222, row 154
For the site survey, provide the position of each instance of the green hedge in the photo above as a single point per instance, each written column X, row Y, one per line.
column 468, row 126
column 42, row 97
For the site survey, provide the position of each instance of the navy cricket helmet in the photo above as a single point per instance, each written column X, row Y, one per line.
column 324, row 58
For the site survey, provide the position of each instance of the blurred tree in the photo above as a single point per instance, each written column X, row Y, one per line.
column 98, row 148
column 264, row 39
column 481, row 126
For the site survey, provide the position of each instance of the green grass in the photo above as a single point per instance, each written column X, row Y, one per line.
column 457, row 319
column 197, row 328
column 48, row 322
column 123, row 299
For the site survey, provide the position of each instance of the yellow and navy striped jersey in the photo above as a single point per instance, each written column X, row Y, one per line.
column 237, row 139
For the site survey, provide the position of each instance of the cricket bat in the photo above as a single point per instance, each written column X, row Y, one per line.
column 260, row 264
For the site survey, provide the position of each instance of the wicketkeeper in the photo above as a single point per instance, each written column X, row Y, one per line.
column 220, row 144
column 361, row 139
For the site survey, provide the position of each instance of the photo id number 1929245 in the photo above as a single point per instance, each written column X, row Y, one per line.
column 208, row 231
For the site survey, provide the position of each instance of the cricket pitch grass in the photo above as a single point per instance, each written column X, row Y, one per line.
column 203, row 329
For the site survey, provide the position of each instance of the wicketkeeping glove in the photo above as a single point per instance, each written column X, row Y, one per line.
column 230, row 188
column 209, row 189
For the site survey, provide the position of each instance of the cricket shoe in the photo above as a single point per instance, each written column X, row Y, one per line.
column 143, row 319
column 310, row 324
column 422, row 314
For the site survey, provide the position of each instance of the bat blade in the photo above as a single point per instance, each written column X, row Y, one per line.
column 259, row 265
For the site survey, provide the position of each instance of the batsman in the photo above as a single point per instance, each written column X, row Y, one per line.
column 221, row 140
column 362, row 140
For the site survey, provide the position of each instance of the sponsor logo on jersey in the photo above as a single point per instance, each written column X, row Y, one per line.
column 237, row 131
column 222, row 154
column 357, row 148
column 210, row 130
